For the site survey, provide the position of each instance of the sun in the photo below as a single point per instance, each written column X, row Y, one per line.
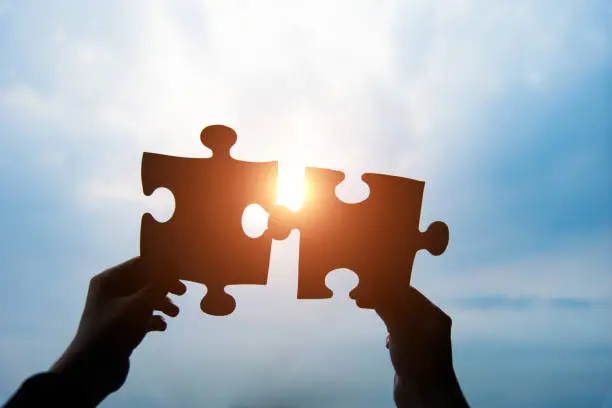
column 291, row 186
column 290, row 192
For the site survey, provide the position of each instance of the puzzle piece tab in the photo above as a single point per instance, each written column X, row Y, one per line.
column 377, row 238
column 204, row 239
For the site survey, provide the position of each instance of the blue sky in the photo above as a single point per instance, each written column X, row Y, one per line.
column 504, row 108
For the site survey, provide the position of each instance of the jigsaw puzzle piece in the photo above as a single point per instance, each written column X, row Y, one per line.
column 377, row 238
column 204, row 240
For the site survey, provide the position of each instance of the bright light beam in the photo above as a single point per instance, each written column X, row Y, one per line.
column 291, row 185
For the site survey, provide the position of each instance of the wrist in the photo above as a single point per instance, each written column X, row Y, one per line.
column 88, row 371
column 441, row 391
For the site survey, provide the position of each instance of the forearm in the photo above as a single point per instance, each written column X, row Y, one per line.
column 425, row 377
column 49, row 390
column 443, row 393
column 92, row 371
column 77, row 379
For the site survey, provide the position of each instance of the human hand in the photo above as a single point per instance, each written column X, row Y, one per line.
column 419, row 343
column 118, row 314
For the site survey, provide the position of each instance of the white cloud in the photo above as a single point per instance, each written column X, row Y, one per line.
column 299, row 83
column 353, row 85
column 303, row 81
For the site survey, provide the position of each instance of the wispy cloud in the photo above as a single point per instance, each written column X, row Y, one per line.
column 498, row 301
column 502, row 108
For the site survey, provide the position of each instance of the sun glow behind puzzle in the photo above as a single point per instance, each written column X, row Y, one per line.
column 291, row 184
column 291, row 189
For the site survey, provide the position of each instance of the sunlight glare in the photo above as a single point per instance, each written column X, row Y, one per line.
column 291, row 185
column 291, row 189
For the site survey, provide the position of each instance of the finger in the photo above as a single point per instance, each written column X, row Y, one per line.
column 408, row 309
column 167, row 307
column 121, row 280
column 157, row 323
column 131, row 276
column 422, row 308
column 416, row 299
column 177, row 287
column 391, row 306
column 165, row 276
column 151, row 295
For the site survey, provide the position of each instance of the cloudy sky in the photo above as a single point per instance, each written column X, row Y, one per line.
column 504, row 108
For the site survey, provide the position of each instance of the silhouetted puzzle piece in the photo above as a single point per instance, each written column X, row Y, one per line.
column 377, row 238
column 204, row 239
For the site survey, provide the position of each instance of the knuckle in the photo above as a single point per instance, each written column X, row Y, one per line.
column 95, row 281
column 448, row 322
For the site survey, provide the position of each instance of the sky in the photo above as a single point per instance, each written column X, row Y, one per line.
column 503, row 108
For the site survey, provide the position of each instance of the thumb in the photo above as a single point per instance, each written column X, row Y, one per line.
column 409, row 309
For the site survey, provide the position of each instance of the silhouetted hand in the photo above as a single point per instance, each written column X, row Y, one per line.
column 118, row 314
column 419, row 342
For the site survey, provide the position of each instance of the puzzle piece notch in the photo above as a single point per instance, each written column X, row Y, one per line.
column 377, row 238
column 217, row 301
column 219, row 139
column 204, row 239
column 435, row 238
